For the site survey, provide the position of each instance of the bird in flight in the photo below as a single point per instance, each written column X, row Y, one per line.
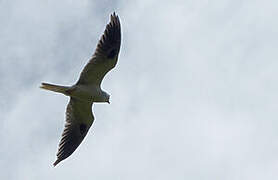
column 87, row 90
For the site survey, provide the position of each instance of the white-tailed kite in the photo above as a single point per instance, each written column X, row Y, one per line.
column 87, row 90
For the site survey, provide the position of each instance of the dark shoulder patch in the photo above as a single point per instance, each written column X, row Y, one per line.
column 112, row 53
column 82, row 128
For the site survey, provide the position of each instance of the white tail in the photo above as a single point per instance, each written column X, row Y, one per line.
column 55, row 88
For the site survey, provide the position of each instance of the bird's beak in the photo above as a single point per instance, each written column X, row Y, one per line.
column 108, row 102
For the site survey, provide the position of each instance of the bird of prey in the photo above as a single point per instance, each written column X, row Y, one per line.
column 87, row 90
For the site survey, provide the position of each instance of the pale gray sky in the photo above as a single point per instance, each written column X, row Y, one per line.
column 194, row 94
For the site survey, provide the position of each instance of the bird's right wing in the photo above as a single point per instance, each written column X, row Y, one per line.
column 79, row 118
column 106, row 54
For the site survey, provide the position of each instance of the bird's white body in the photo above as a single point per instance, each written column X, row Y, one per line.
column 91, row 93
column 86, row 93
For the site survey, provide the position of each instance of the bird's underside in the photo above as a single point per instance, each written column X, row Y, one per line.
column 79, row 116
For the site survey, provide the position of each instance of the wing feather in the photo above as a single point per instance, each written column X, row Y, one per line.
column 79, row 118
column 106, row 54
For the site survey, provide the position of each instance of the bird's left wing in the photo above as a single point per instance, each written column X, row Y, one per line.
column 106, row 54
column 79, row 118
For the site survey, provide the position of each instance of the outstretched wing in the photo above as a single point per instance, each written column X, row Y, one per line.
column 106, row 54
column 79, row 118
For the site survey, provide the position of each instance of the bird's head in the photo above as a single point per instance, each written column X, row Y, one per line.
column 106, row 97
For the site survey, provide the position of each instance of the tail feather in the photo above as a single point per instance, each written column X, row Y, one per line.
column 55, row 88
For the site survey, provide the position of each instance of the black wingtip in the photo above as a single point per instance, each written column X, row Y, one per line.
column 110, row 41
column 114, row 17
column 56, row 162
column 114, row 14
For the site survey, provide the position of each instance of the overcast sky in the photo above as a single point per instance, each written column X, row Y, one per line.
column 193, row 96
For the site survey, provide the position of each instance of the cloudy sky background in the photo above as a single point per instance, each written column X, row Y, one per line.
column 194, row 94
